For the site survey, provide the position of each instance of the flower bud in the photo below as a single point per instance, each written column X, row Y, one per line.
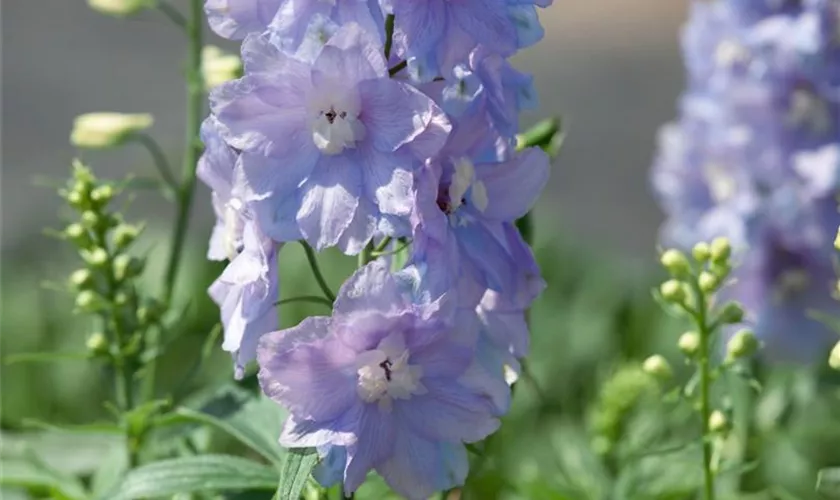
column 743, row 344
column 97, row 257
column 150, row 312
column 218, row 67
column 97, row 343
column 106, row 130
column 701, row 252
column 101, row 195
column 675, row 263
column 89, row 301
column 120, row 8
column 657, row 367
column 673, row 291
column 121, row 298
column 837, row 240
column 732, row 313
column 720, row 250
column 707, row 282
column 689, row 343
column 90, row 219
column 718, row 422
column 76, row 199
column 834, row 357
column 720, row 270
column 78, row 235
column 127, row 267
column 124, row 235
column 81, row 279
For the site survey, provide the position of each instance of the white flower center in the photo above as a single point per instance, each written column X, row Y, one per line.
column 729, row 53
column 722, row 185
column 385, row 374
column 335, row 120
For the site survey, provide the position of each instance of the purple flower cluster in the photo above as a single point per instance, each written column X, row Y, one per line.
column 755, row 156
column 359, row 123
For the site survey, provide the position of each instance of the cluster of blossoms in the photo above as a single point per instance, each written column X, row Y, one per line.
column 359, row 124
column 755, row 157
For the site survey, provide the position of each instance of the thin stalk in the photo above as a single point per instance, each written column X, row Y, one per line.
column 366, row 255
column 174, row 15
column 316, row 271
column 192, row 150
column 389, row 36
column 160, row 161
column 701, row 316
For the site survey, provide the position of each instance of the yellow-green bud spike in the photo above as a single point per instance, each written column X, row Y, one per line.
column 124, row 235
column 834, row 357
column 675, row 263
column 96, row 257
column 97, row 343
column 81, row 278
column 673, row 291
column 720, row 250
column 707, row 282
column 701, row 252
column 689, row 343
column 102, row 194
column 88, row 301
column 718, row 422
column 107, row 130
column 743, row 344
column 657, row 366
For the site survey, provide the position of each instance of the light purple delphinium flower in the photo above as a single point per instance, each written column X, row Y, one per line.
column 464, row 211
column 248, row 287
column 754, row 157
column 247, row 292
column 328, row 145
column 436, row 35
column 381, row 378
column 235, row 19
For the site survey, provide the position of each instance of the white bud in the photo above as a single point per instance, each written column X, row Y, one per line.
column 217, row 67
column 120, row 8
column 106, row 130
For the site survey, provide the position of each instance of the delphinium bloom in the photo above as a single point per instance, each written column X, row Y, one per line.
column 330, row 144
column 436, row 35
column 248, row 287
column 754, row 158
column 380, row 378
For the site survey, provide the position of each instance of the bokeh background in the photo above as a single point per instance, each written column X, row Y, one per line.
column 611, row 70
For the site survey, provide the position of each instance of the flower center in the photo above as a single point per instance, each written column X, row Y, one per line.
column 334, row 113
column 385, row 373
column 806, row 109
column 464, row 187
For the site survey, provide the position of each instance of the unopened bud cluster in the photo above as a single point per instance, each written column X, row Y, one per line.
column 105, row 285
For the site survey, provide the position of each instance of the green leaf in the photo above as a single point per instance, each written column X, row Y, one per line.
column 828, row 482
column 45, row 357
column 32, row 473
column 107, row 477
column 194, row 474
column 297, row 464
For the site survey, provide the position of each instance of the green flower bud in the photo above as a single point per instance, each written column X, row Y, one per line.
column 120, row 8
column 720, row 250
column 76, row 199
column 673, row 291
column 97, row 257
column 124, row 235
column 657, row 367
column 121, row 298
column 81, row 279
column 732, row 313
column 707, row 282
column 701, row 252
column 107, row 130
column 150, row 312
column 90, row 219
column 89, row 301
column 689, row 343
column 217, row 67
column 718, row 422
column 743, row 344
column 102, row 194
column 127, row 267
column 97, row 343
column 837, row 240
column 675, row 263
column 78, row 235
column 721, row 270
column 834, row 357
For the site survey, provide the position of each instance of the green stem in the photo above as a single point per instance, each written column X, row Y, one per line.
column 705, row 387
column 160, row 161
column 313, row 299
column 184, row 195
column 169, row 10
column 366, row 255
column 316, row 271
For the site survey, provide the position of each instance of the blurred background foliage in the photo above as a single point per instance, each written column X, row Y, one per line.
column 586, row 422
